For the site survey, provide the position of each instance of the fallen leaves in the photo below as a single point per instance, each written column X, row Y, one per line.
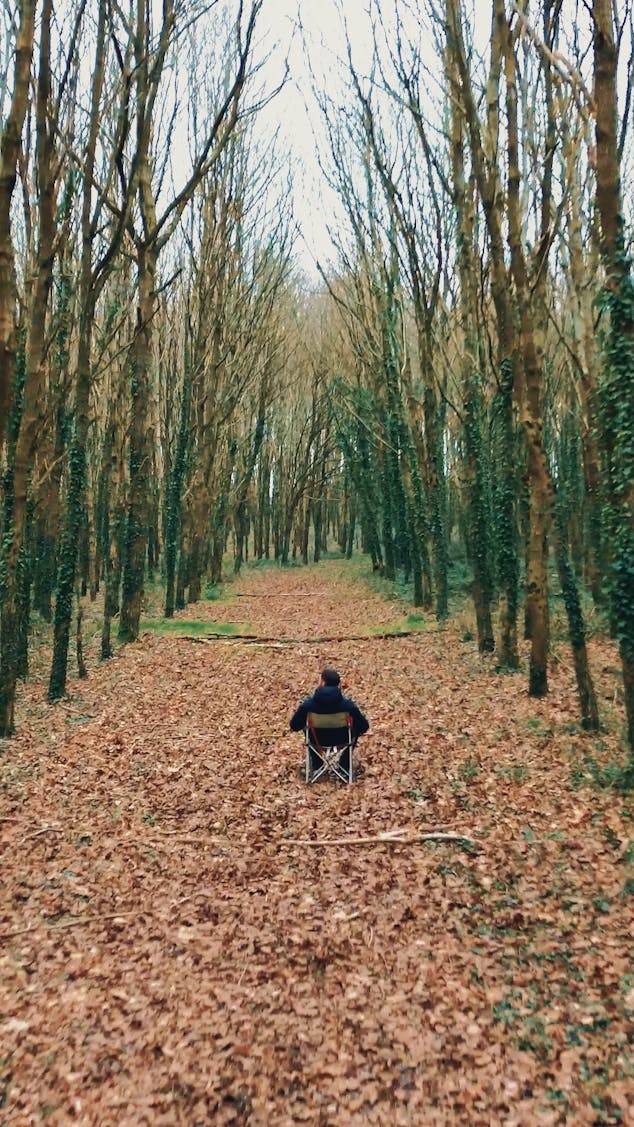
column 190, row 935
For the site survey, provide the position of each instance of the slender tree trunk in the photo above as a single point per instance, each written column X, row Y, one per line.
column 241, row 521
column 10, row 583
column 540, row 483
column 576, row 627
column 141, row 440
column 112, row 564
column 173, row 521
column 88, row 293
column 478, row 532
column 48, row 504
column 307, row 514
column 33, row 413
column 9, row 151
column 490, row 190
column 617, row 385
column 582, row 270
column 352, row 522
column 75, row 508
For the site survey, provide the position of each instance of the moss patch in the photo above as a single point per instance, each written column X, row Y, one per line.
column 413, row 624
column 191, row 627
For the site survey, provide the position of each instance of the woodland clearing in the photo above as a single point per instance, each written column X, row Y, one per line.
column 171, row 953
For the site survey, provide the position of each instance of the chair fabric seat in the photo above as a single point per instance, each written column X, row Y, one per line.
column 331, row 728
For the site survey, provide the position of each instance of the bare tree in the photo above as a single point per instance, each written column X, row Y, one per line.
column 10, row 141
column 149, row 236
column 617, row 390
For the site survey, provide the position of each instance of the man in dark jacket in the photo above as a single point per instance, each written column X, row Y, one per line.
column 327, row 699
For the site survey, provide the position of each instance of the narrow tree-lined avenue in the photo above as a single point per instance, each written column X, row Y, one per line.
column 174, row 388
column 267, row 378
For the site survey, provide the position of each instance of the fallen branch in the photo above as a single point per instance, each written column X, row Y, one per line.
column 216, row 636
column 65, row 923
column 90, row 920
column 279, row 595
column 38, row 833
column 391, row 838
column 200, row 841
column 185, row 836
column 254, row 639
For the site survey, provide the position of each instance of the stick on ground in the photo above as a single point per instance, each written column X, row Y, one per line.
column 383, row 839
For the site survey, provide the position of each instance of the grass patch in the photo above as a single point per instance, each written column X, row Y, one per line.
column 192, row 627
column 617, row 776
column 413, row 624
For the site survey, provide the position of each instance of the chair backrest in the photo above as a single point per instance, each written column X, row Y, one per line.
column 330, row 729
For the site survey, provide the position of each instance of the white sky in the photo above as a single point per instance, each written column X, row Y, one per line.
column 311, row 33
column 298, row 119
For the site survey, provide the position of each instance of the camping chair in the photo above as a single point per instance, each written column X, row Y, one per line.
column 328, row 736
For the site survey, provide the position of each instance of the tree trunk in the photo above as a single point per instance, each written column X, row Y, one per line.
column 541, row 490
column 88, row 293
column 10, row 141
column 576, row 627
column 490, row 189
column 617, row 385
column 141, row 444
column 478, row 532
column 173, row 516
column 75, row 509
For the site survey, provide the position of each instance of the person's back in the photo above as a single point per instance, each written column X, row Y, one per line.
column 326, row 700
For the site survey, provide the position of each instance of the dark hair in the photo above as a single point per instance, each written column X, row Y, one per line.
column 330, row 677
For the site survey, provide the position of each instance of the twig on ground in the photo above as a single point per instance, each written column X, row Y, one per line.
column 214, row 636
column 91, row 920
column 179, row 833
column 79, row 920
column 38, row 833
column 66, row 706
column 278, row 595
column 391, row 838
column 183, row 841
column 191, row 736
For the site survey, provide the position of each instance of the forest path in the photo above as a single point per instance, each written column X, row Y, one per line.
column 169, row 956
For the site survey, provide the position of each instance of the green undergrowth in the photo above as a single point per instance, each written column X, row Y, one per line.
column 587, row 770
column 192, row 628
column 414, row 624
column 459, row 578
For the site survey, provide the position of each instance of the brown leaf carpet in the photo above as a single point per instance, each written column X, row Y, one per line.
column 167, row 956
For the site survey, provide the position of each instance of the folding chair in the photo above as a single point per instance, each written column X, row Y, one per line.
column 328, row 736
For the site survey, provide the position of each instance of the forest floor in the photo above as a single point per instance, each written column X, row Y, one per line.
column 174, row 951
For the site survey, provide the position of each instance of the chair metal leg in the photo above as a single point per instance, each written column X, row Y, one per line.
column 330, row 763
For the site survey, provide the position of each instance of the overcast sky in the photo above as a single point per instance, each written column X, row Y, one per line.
column 316, row 25
column 310, row 33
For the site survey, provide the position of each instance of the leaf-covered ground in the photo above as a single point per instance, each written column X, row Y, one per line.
column 170, row 953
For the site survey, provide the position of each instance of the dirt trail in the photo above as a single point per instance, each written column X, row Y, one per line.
column 168, row 956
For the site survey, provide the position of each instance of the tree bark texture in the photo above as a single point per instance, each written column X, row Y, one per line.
column 617, row 384
column 9, row 152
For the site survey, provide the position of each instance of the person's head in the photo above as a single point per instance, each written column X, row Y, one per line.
column 330, row 677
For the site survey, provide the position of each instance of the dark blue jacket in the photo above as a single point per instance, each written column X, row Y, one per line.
column 328, row 699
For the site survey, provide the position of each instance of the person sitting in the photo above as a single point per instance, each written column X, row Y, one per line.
column 327, row 699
